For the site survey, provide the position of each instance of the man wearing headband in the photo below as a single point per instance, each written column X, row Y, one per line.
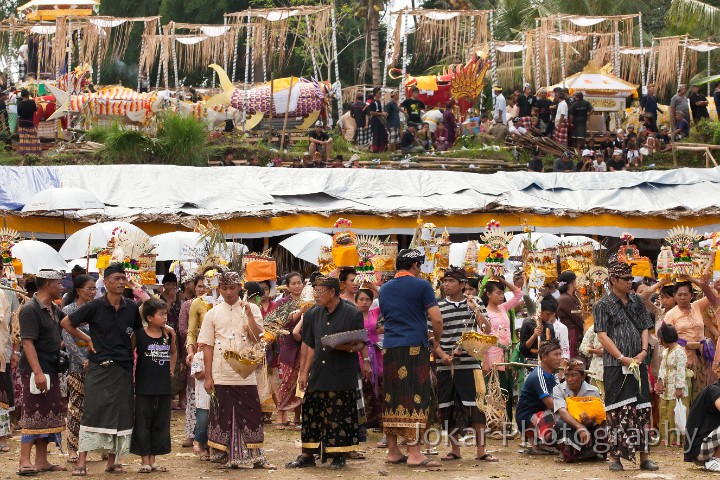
column 576, row 436
column 623, row 324
column 535, row 409
column 42, row 418
column 329, row 378
column 236, row 426
column 459, row 376
column 406, row 302
column 108, row 414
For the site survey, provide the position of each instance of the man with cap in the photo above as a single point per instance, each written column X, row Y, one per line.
column 236, row 425
column 320, row 141
column 579, row 113
column 617, row 162
column 598, row 164
column 661, row 142
column 564, row 164
column 107, row 421
column 405, row 303
column 42, row 417
column 623, row 324
column 500, row 108
column 459, row 376
column 329, row 378
column 585, row 164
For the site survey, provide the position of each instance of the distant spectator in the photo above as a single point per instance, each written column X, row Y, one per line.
column 500, row 111
column 228, row 160
column 716, row 97
column 354, row 161
column 348, row 127
column 599, row 164
column 393, row 121
column 679, row 103
column 338, row 162
column 630, row 134
column 320, row 141
column 650, row 125
column 633, row 155
column 413, row 107
column 536, row 164
column 649, row 106
column 698, row 104
column 408, row 143
column 357, row 112
column 254, row 162
column 425, row 137
column 579, row 114
column 585, row 164
column 307, row 160
column 543, row 112
column 617, row 163
column 297, row 163
column 661, row 142
column 450, row 122
column 564, row 164
column 440, row 138
column 318, row 160
column 682, row 127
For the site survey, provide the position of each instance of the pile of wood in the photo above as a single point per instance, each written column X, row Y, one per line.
column 546, row 145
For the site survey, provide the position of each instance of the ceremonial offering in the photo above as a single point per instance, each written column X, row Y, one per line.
column 10, row 267
column 682, row 241
column 307, row 297
column 353, row 336
column 496, row 240
column 344, row 247
column 665, row 262
column 629, row 253
column 477, row 344
column 368, row 246
column 385, row 260
column 246, row 361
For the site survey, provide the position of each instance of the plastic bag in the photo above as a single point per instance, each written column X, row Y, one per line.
column 680, row 416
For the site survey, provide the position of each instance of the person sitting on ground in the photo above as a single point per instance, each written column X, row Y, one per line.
column 307, row 160
column 702, row 442
column 408, row 143
column 682, row 127
column 577, row 422
column 228, row 160
column 485, row 123
column 440, row 138
column 338, row 162
column 534, row 414
column 318, row 160
column 617, row 163
column 425, row 137
column 499, row 131
column 536, row 164
column 320, row 141
column 585, row 164
column 661, row 142
column 254, row 161
column 599, row 164
column 650, row 124
column 630, row 134
column 296, row 163
column 634, row 157
column 564, row 164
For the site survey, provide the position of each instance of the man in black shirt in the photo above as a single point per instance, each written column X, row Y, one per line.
column 617, row 163
column 320, row 141
column 109, row 401
column 579, row 112
column 525, row 102
column 544, row 112
column 716, row 97
column 42, row 418
column 698, row 104
column 413, row 108
column 357, row 112
column 536, row 163
column 702, row 442
column 649, row 104
column 408, row 143
column 329, row 378
column 4, row 118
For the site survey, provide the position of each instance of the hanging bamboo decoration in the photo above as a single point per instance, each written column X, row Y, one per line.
column 522, row 59
column 263, row 53
column 616, row 49
column 594, row 47
column 159, row 72
column 247, row 70
column 316, row 70
column 225, row 45
column 538, row 77
column 404, row 55
column 643, row 87
column 253, row 33
column 563, row 72
column 493, row 52
column 708, row 74
column 166, row 67
column 337, row 67
column 173, row 48
column 70, row 46
column 11, row 49
column 547, row 55
column 236, row 47
column 472, row 33
column 681, row 71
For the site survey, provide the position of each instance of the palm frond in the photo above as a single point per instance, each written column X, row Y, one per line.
column 691, row 13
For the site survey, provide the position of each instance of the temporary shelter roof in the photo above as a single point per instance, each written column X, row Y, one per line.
column 597, row 81
column 51, row 9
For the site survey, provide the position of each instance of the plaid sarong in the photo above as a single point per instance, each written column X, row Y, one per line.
column 363, row 136
column 525, row 122
column 22, row 71
column 29, row 142
column 709, row 444
column 393, row 136
column 561, row 133
column 544, row 423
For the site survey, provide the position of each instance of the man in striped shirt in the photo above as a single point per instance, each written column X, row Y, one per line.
column 459, row 375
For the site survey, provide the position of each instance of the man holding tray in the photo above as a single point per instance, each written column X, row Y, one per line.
column 329, row 377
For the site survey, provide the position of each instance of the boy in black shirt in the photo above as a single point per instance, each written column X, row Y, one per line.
column 412, row 107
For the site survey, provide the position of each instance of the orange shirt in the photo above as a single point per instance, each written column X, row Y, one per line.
column 690, row 327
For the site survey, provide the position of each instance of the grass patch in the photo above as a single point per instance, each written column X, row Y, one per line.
column 182, row 140
column 124, row 146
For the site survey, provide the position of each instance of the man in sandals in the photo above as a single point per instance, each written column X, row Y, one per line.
column 460, row 382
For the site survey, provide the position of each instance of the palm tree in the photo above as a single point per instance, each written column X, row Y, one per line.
column 374, row 7
column 694, row 15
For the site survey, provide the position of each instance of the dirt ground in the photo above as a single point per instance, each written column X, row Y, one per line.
column 283, row 446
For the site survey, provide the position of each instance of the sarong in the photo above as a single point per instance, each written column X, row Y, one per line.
column 236, row 424
column 579, row 130
column 373, row 405
column 151, row 432
column 76, row 400
column 708, row 446
column 379, row 138
column 329, row 422
column 7, row 389
column 190, row 409
column 561, row 133
column 699, row 379
column 544, row 424
column 287, row 400
column 22, row 72
column 525, row 122
column 628, row 412
column 406, row 376
column 569, row 442
column 458, row 398
column 108, row 411
column 393, row 136
column 268, row 387
column 363, row 136
column 29, row 142
column 42, row 415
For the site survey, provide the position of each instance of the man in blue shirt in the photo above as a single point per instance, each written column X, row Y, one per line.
column 649, row 105
column 682, row 127
column 534, row 414
column 405, row 303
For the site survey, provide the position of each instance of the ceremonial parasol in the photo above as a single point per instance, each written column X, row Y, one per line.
column 62, row 199
column 176, row 245
column 92, row 237
column 307, row 245
column 36, row 256
column 540, row 241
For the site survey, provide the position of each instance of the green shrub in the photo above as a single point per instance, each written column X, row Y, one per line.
column 182, row 140
column 705, row 131
column 100, row 133
column 127, row 146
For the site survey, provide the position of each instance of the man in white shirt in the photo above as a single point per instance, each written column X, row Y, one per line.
column 500, row 110
column 22, row 62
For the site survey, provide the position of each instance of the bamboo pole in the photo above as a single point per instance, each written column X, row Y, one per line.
column 404, row 55
column 643, row 79
column 247, row 71
column 682, row 65
column 159, row 72
column 536, row 68
column 493, row 52
column 563, row 72
column 338, row 98
column 173, row 50
column 287, row 111
column 522, row 60
column 236, row 47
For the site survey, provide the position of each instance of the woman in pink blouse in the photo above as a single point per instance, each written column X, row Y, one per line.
column 497, row 313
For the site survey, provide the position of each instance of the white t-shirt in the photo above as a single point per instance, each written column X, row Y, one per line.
column 599, row 166
column 500, row 109
column 561, row 333
column 562, row 111
column 202, row 399
column 432, row 117
column 23, row 53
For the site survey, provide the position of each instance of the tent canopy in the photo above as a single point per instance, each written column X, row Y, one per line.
column 594, row 80
column 51, row 9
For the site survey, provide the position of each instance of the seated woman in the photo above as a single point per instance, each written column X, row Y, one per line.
column 440, row 137
column 702, row 441
column 576, row 427
column 535, row 409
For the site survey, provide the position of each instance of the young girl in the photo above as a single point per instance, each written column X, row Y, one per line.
column 671, row 384
column 202, row 404
column 156, row 357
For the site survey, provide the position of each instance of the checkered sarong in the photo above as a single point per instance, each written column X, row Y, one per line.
column 544, row 423
column 525, row 122
column 393, row 136
column 364, row 135
column 22, row 71
column 709, row 444
column 561, row 133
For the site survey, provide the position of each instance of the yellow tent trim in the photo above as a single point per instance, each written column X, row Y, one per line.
column 53, row 14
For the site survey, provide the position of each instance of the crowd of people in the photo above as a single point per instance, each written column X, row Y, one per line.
column 103, row 361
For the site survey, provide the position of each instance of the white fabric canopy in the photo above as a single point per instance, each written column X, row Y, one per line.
column 277, row 15
column 104, row 23
column 510, row 48
column 36, row 256
column 214, row 31
column 702, row 47
column 635, row 51
column 568, row 38
column 440, row 15
column 586, row 21
column 43, row 29
column 190, row 40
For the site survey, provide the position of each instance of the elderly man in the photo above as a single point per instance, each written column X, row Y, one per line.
column 679, row 103
column 42, row 418
column 329, row 377
column 698, row 104
column 108, row 412
column 405, row 302
column 236, row 426
column 682, row 126
column 623, row 324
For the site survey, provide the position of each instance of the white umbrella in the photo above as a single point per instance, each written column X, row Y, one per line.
column 36, row 256
column 540, row 241
column 176, row 245
column 77, row 244
column 62, row 199
column 306, row 245
column 580, row 240
column 90, row 266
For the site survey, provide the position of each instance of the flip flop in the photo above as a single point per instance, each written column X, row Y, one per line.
column 79, row 472
column 402, row 460
column 4, row 449
column 450, row 457
column 53, row 468
column 27, row 471
column 117, row 468
column 145, row 469
column 158, row 468
column 73, row 459
column 487, row 458
column 264, row 466
column 425, row 463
